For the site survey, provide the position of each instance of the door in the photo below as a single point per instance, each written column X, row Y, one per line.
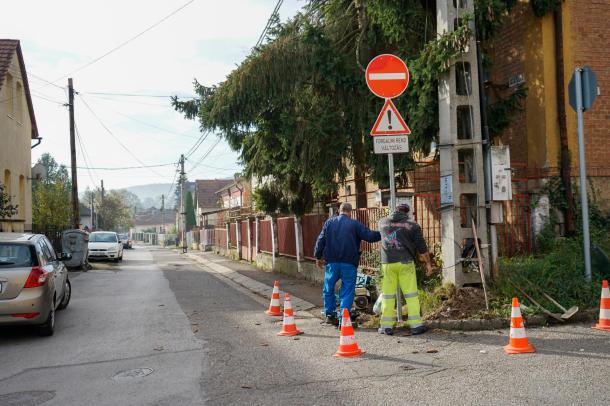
column 56, row 268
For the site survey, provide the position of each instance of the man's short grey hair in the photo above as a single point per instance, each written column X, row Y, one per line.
column 345, row 207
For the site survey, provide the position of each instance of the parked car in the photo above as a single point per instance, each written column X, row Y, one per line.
column 105, row 245
column 126, row 241
column 34, row 281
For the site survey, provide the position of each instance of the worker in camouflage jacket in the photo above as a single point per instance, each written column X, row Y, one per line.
column 401, row 241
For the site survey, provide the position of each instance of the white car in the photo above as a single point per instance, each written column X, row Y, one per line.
column 105, row 245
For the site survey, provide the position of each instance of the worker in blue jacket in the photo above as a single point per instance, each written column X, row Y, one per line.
column 339, row 245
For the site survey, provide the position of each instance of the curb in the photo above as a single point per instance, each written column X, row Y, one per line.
column 501, row 323
column 250, row 284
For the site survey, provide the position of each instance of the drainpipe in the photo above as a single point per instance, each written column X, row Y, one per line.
column 38, row 141
column 566, row 164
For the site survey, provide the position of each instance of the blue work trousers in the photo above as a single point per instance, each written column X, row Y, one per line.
column 347, row 274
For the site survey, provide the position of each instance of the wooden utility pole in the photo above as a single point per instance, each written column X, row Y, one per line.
column 182, row 206
column 102, row 206
column 75, row 208
column 162, row 214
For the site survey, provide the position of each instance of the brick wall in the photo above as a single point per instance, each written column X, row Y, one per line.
column 590, row 45
column 508, row 53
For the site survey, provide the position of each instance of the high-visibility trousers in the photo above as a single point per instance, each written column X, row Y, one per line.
column 404, row 275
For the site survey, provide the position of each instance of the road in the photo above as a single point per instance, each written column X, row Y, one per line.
column 206, row 341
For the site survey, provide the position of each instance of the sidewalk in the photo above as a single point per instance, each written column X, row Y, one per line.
column 305, row 295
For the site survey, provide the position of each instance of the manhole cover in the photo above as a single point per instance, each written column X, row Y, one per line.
column 133, row 373
column 29, row 398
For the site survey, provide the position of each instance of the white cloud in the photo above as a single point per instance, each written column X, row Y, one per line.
column 204, row 41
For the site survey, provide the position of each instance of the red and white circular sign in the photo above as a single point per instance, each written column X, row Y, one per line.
column 387, row 76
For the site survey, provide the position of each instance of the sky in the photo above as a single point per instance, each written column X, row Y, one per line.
column 204, row 41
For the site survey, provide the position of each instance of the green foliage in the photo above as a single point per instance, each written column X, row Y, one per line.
column 115, row 211
column 51, row 196
column 268, row 199
column 191, row 219
column 298, row 109
column 6, row 208
column 543, row 7
column 500, row 113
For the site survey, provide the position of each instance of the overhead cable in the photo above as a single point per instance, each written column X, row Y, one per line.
column 121, row 45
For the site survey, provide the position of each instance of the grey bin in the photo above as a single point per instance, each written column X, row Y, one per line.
column 76, row 242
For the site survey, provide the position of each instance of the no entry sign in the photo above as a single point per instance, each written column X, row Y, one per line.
column 387, row 76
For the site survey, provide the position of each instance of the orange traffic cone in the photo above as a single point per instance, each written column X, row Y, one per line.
column 604, row 309
column 347, row 342
column 274, row 306
column 289, row 328
column 517, row 343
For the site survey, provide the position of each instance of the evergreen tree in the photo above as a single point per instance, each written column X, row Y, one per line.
column 191, row 219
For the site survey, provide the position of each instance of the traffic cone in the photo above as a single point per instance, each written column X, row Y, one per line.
column 274, row 306
column 347, row 342
column 604, row 309
column 517, row 343
column 289, row 328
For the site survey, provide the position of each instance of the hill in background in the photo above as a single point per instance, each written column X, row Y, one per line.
column 150, row 194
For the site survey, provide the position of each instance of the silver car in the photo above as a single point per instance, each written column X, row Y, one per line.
column 34, row 282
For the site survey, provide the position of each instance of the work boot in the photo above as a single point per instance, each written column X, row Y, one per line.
column 386, row 330
column 419, row 330
column 331, row 320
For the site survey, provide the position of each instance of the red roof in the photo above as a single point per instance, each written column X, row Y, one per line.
column 205, row 192
column 8, row 47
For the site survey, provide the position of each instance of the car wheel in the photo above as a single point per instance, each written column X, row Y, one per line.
column 67, row 296
column 48, row 328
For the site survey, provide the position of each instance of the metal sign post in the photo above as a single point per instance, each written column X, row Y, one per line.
column 581, row 99
column 392, row 182
column 387, row 76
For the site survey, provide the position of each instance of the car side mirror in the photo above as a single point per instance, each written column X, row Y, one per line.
column 65, row 256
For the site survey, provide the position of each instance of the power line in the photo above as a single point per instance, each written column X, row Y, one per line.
column 115, row 137
column 153, row 125
column 121, row 168
column 125, row 42
column 129, row 101
column 204, row 156
column 268, row 25
column 194, row 148
column 138, row 95
column 85, row 155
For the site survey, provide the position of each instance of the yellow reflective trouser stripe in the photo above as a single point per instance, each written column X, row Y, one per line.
column 404, row 275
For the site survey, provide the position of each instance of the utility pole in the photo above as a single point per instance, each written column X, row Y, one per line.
column 102, row 205
column 163, row 214
column 75, row 208
column 462, row 160
column 182, row 208
column 92, row 212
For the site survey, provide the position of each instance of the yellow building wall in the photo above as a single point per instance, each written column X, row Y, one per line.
column 15, row 149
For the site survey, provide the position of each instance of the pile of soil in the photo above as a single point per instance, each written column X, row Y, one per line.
column 463, row 303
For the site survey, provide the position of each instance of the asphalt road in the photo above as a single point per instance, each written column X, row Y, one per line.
column 209, row 342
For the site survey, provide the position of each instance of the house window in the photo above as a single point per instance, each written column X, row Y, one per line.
column 7, row 182
column 22, row 196
column 19, row 102
column 10, row 94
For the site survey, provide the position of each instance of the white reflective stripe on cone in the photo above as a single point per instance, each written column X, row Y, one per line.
column 288, row 320
column 605, row 293
column 347, row 340
column 517, row 332
column 515, row 312
column 275, row 302
column 604, row 314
